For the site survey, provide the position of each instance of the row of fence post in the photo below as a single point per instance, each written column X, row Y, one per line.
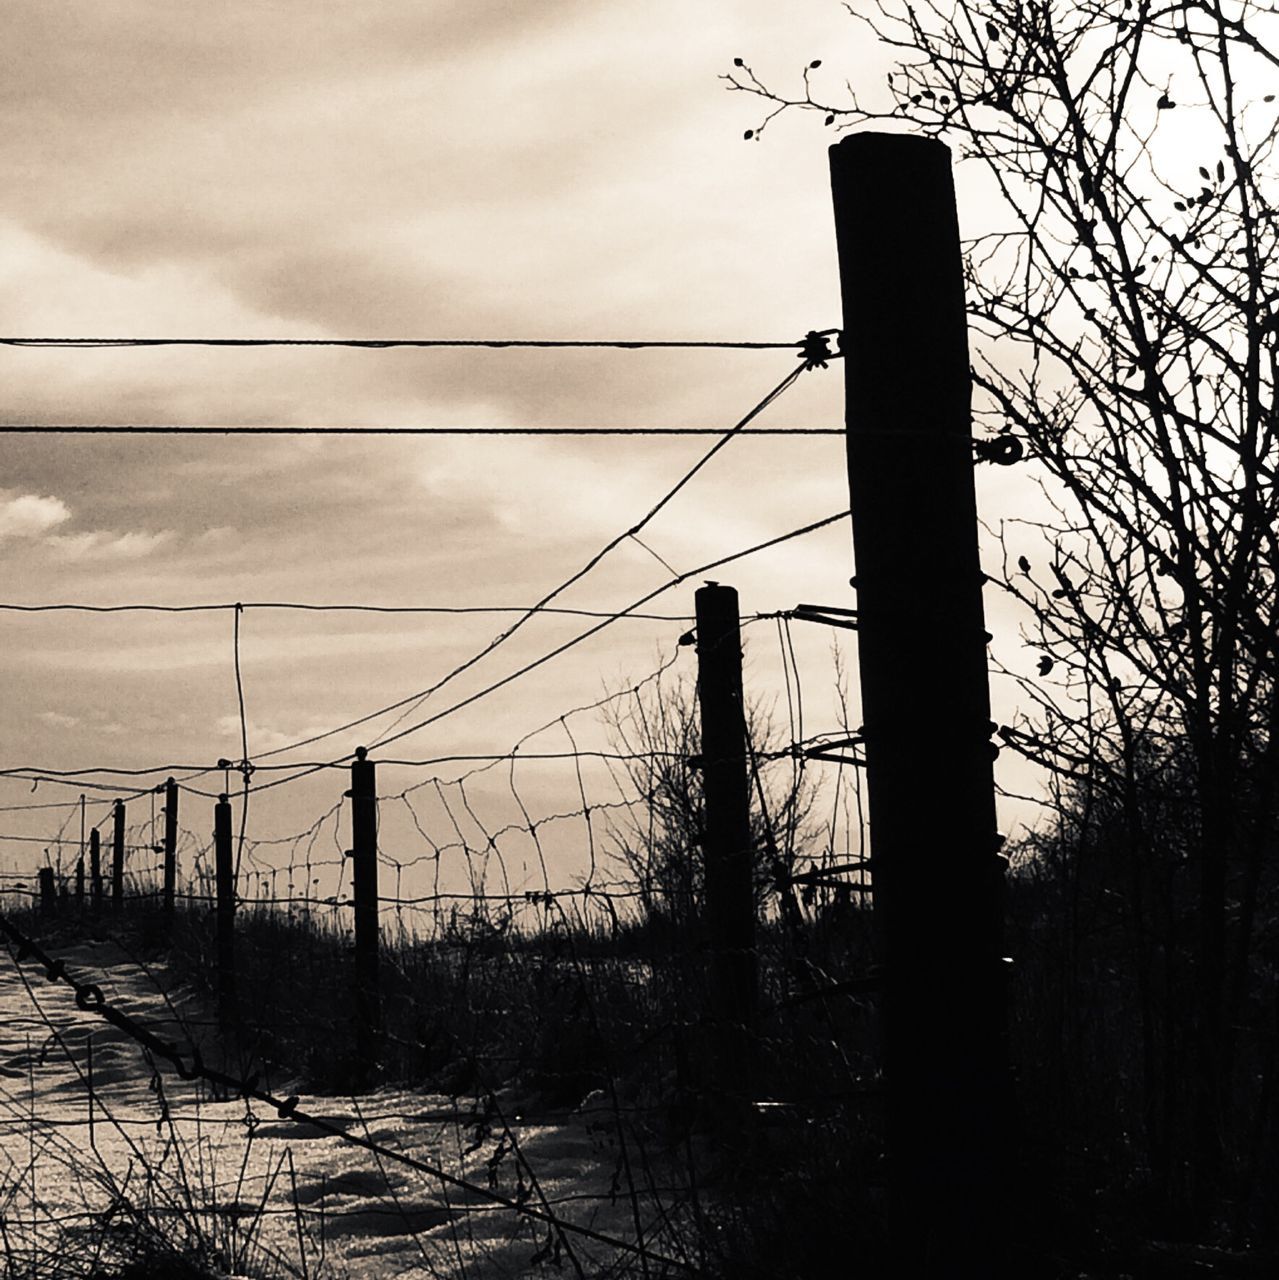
column 97, row 878
column 363, row 796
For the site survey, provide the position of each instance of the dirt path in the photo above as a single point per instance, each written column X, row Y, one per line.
column 98, row 1153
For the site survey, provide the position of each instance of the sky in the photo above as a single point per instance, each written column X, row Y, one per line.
column 273, row 168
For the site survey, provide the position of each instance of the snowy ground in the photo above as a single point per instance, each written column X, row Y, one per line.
column 95, row 1147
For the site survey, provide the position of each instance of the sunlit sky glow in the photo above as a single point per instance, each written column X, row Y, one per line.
column 255, row 168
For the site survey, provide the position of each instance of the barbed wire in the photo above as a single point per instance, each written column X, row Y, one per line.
column 334, row 608
column 141, row 429
column 542, row 344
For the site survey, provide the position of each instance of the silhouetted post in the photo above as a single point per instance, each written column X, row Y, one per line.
column 79, row 883
column 224, row 867
column 48, row 893
column 925, row 699
column 368, row 1014
column 95, row 869
column 117, row 856
column 170, row 843
column 730, row 898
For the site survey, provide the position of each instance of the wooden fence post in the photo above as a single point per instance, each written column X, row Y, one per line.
column 79, row 883
column 95, row 869
column 117, row 856
column 729, row 855
column 225, row 876
column 368, row 1014
column 170, row 844
column 48, row 893
column 925, row 702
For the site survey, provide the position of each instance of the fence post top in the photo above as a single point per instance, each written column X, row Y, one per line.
column 361, row 753
column 880, row 140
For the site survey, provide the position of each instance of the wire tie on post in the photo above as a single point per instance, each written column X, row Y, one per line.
column 1003, row 449
column 815, row 349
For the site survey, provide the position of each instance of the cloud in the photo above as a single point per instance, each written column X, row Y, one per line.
column 97, row 544
column 29, row 516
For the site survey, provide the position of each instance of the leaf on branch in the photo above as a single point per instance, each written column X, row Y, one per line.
column 748, row 135
column 1203, row 173
column 1165, row 103
column 1179, row 205
column 1023, row 564
column 830, row 119
column 816, row 62
column 992, row 31
column 1045, row 665
column 737, row 62
column 1270, row 97
column 1221, row 171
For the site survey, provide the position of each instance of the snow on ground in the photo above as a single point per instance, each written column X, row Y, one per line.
column 96, row 1146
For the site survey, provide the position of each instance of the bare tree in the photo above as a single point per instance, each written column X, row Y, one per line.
column 659, row 843
column 1124, row 315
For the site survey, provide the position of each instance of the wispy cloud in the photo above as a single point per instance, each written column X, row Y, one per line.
column 97, row 544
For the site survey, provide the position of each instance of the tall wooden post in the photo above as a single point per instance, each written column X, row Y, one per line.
column 79, row 883
column 117, row 856
column 170, row 843
column 368, row 1014
column 925, row 701
column 224, row 868
column 729, row 861
column 95, row 869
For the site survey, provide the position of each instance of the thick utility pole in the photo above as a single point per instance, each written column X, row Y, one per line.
column 170, row 843
column 937, row 874
column 224, row 869
column 729, row 860
column 117, row 856
column 368, row 1014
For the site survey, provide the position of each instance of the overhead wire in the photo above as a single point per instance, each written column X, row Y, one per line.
column 540, row 344
column 237, row 429
column 10, row 607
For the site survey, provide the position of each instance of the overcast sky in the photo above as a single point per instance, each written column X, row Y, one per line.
column 274, row 168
